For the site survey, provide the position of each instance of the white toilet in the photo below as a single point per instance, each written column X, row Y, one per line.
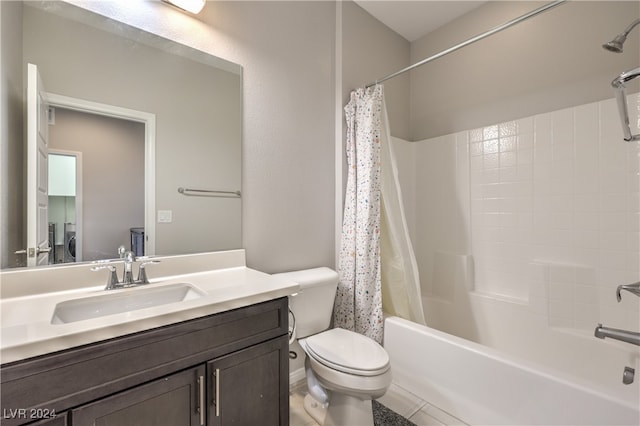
column 345, row 370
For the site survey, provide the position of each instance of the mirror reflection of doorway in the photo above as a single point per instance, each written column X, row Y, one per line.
column 65, row 206
column 110, row 199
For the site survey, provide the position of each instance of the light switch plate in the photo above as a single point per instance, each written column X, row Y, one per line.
column 164, row 216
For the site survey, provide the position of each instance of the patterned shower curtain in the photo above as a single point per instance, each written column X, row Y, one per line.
column 358, row 304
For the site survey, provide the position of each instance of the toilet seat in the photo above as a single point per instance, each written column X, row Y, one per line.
column 348, row 352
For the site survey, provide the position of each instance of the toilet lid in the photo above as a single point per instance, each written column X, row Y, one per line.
column 348, row 351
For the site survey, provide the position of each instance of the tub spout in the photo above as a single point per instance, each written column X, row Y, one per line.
column 617, row 334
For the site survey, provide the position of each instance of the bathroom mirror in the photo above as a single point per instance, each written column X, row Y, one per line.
column 195, row 100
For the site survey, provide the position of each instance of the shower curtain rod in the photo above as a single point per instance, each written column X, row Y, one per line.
column 472, row 40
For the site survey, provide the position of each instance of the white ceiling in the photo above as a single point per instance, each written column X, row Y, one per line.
column 414, row 19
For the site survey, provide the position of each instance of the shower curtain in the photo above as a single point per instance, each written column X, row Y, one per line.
column 368, row 211
column 401, row 295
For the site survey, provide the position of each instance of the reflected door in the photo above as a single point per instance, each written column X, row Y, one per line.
column 38, row 248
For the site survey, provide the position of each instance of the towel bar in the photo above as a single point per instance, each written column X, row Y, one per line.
column 209, row 193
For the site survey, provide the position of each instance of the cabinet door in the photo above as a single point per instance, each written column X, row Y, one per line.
column 178, row 399
column 251, row 386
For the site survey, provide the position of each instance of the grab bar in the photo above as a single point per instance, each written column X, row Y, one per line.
column 209, row 193
column 618, row 85
column 617, row 334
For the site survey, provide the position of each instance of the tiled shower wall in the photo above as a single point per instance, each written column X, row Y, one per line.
column 548, row 208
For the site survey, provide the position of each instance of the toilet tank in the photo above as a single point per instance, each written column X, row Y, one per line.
column 312, row 306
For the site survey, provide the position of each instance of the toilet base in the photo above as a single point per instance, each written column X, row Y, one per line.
column 315, row 409
column 342, row 410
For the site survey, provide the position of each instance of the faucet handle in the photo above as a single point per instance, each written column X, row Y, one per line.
column 631, row 288
column 112, row 280
column 142, row 271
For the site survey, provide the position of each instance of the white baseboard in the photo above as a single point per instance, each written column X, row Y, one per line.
column 296, row 377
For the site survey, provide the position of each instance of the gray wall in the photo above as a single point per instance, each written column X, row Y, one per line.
column 286, row 50
column 370, row 50
column 207, row 158
column 112, row 177
column 287, row 53
column 547, row 63
column 11, row 157
column 198, row 113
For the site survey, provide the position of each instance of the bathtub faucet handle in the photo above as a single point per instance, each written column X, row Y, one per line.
column 628, row 375
column 631, row 288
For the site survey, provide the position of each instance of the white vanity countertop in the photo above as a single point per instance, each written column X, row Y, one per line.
column 26, row 328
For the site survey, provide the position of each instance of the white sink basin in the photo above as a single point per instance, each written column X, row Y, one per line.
column 125, row 301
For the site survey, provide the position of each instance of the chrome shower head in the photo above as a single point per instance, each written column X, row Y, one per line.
column 615, row 45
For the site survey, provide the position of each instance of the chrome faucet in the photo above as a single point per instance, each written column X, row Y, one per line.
column 112, row 280
column 142, row 272
column 631, row 288
column 617, row 334
column 127, row 277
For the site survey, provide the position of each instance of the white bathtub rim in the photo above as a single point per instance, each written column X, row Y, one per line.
column 526, row 365
column 571, row 364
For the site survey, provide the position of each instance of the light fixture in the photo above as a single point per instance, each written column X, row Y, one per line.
column 193, row 6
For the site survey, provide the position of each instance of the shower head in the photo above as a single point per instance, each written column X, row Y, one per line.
column 615, row 45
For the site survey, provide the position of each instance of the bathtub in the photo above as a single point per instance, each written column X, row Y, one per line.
column 482, row 386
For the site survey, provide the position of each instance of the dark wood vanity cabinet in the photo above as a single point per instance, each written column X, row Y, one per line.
column 248, row 375
column 227, row 368
column 173, row 400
